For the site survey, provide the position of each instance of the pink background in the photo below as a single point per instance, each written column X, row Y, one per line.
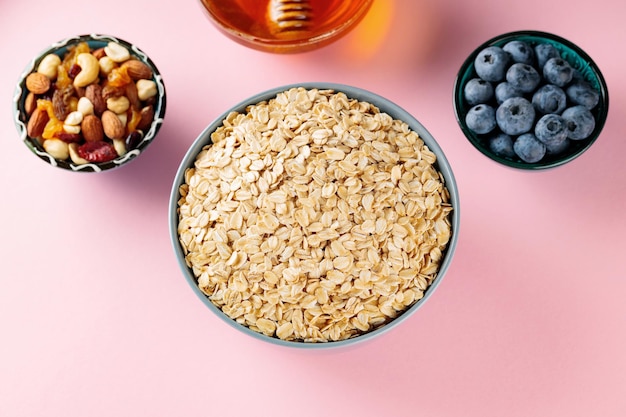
column 97, row 320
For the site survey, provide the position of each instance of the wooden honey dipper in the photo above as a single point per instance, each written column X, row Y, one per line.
column 289, row 15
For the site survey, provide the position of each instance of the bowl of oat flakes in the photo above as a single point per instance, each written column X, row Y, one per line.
column 89, row 103
column 314, row 215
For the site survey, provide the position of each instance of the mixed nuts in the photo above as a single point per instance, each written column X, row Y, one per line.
column 90, row 105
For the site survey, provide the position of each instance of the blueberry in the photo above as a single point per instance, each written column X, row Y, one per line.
column 558, row 71
column 557, row 149
column 520, row 52
column 528, row 148
column 577, row 77
column 524, row 77
column 491, row 63
column 583, row 94
column 549, row 99
column 551, row 129
column 579, row 122
column 505, row 90
column 478, row 91
column 545, row 51
column 502, row 144
column 515, row 116
column 481, row 119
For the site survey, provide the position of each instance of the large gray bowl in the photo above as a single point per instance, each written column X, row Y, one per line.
column 355, row 93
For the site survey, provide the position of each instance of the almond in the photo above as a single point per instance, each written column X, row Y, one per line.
column 94, row 93
column 30, row 103
column 92, row 128
column 147, row 114
column 133, row 97
column 37, row 123
column 37, row 83
column 137, row 70
column 112, row 125
column 98, row 53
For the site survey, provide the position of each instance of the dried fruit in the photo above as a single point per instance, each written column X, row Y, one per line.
column 133, row 139
column 63, row 79
column 111, row 91
column 69, row 137
column 119, row 77
column 74, row 71
column 61, row 101
column 97, row 151
column 53, row 128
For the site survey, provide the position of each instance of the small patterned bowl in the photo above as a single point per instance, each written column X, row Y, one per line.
column 354, row 93
column 576, row 57
column 133, row 146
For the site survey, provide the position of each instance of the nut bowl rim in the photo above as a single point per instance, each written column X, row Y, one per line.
column 94, row 40
column 384, row 105
column 584, row 63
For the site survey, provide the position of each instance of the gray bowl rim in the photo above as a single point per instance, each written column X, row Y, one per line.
column 603, row 109
column 93, row 39
column 360, row 94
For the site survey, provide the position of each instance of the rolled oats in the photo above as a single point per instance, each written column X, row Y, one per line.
column 314, row 217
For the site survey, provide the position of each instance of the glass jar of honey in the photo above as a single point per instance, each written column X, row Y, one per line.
column 285, row 26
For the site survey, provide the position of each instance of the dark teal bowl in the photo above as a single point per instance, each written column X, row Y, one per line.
column 576, row 57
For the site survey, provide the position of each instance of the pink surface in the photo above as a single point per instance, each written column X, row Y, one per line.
column 97, row 320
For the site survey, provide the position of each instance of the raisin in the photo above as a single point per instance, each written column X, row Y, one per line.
column 75, row 69
column 68, row 137
column 133, row 139
column 97, row 151
column 61, row 101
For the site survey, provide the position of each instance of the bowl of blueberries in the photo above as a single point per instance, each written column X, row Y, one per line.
column 530, row 100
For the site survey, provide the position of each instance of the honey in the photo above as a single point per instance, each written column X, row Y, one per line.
column 285, row 25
